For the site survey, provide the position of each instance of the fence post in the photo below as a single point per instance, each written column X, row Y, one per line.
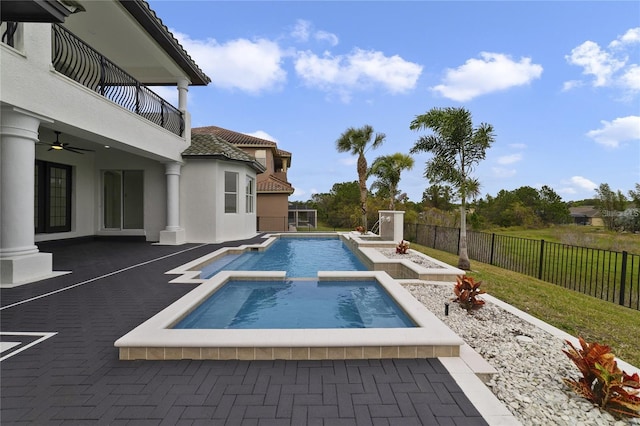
column 493, row 242
column 540, row 261
column 459, row 234
column 623, row 277
column 435, row 235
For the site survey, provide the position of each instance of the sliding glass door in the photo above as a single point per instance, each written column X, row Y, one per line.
column 123, row 199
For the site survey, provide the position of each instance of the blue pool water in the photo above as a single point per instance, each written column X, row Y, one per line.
column 299, row 257
column 297, row 304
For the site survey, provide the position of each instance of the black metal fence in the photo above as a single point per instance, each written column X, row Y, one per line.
column 80, row 62
column 608, row 275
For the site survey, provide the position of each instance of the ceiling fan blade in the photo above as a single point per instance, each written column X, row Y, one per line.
column 79, row 149
column 74, row 150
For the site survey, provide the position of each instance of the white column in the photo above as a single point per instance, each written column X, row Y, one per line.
column 20, row 260
column 183, row 89
column 173, row 233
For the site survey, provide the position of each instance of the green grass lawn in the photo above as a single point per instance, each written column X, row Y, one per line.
column 573, row 312
column 585, row 236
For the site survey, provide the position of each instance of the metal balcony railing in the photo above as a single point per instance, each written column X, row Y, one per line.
column 8, row 32
column 80, row 62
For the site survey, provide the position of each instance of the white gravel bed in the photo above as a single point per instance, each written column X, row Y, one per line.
column 529, row 361
column 415, row 258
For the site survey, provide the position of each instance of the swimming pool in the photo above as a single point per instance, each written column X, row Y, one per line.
column 156, row 339
column 297, row 304
column 299, row 257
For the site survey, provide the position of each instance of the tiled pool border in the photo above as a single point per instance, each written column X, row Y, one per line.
column 155, row 340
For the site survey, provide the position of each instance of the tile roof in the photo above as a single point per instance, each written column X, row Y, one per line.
column 147, row 17
column 584, row 211
column 211, row 146
column 274, row 185
column 235, row 138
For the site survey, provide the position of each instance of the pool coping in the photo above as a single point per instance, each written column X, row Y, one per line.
column 153, row 340
column 367, row 252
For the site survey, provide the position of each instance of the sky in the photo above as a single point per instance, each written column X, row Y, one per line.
column 558, row 80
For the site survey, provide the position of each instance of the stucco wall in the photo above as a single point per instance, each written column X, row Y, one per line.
column 202, row 202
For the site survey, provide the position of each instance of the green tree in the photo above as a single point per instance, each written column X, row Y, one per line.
column 439, row 197
column 338, row 206
column 553, row 209
column 609, row 204
column 357, row 141
column 456, row 147
column 388, row 169
column 635, row 196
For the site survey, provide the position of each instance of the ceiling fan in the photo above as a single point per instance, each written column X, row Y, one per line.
column 60, row 146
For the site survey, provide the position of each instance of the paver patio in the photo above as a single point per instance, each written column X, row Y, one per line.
column 75, row 377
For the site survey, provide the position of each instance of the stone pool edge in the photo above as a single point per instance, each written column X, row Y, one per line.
column 153, row 340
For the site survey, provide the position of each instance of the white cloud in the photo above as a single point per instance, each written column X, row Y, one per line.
column 331, row 38
column 567, row 190
column 595, row 61
column 250, row 66
column 631, row 36
column 359, row 70
column 612, row 133
column 509, row 159
column 492, row 73
column 582, row 183
column 168, row 93
column 631, row 78
column 501, row 172
column 303, row 31
column 571, row 84
column 262, row 135
column 609, row 66
column 348, row 161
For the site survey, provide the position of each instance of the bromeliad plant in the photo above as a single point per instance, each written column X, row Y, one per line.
column 467, row 290
column 402, row 247
column 602, row 382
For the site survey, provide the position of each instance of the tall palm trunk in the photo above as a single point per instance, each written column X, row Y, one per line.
column 463, row 259
column 362, row 178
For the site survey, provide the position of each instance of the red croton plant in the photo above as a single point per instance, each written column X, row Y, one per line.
column 602, row 382
column 467, row 290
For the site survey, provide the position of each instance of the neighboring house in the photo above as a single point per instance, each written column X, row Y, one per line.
column 86, row 146
column 586, row 215
column 273, row 189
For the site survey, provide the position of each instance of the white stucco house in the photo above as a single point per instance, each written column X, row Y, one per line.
column 87, row 148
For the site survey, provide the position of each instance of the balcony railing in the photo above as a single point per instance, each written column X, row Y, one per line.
column 80, row 62
column 8, row 32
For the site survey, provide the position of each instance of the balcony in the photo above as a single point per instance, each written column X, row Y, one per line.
column 80, row 62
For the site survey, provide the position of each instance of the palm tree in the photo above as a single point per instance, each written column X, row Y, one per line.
column 456, row 147
column 388, row 169
column 356, row 141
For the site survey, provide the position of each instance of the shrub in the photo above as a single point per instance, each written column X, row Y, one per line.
column 467, row 290
column 602, row 382
column 402, row 247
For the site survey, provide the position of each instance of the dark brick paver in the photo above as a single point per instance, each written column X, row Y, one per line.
column 75, row 377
